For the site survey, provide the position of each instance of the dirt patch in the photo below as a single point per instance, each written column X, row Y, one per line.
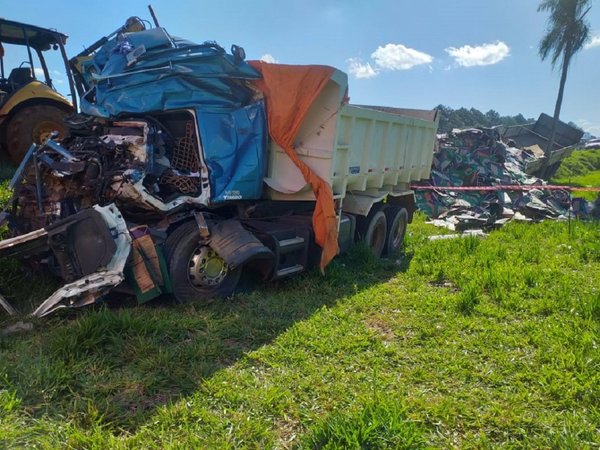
column 381, row 328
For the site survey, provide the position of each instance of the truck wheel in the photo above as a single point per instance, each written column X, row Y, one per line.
column 196, row 271
column 33, row 124
column 397, row 220
column 373, row 231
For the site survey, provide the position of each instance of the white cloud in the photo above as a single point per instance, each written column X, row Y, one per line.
column 267, row 57
column 388, row 57
column 54, row 74
column 360, row 70
column 481, row 55
column 57, row 76
column 593, row 42
column 588, row 126
column 399, row 57
column 593, row 129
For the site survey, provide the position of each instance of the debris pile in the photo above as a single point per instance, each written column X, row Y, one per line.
column 478, row 158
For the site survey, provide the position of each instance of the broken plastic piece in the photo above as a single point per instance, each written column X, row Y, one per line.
column 7, row 306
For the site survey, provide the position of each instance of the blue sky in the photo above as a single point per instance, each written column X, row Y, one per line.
column 472, row 53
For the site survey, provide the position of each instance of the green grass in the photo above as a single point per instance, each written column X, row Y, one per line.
column 5, row 176
column 581, row 169
column 580, row 162
column 5, row 193
column 590, row 179
column 464, row 343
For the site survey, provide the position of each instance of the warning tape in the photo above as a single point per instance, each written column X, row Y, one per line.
column 507, row 187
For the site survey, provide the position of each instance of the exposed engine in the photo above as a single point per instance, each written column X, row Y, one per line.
column 141, row 163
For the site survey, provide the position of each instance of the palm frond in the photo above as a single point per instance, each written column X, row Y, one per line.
column 567, row 29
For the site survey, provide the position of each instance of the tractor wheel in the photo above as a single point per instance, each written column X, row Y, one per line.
column 196, row 271
column 33, row 124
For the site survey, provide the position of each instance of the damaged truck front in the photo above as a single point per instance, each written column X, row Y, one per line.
column 170, row 183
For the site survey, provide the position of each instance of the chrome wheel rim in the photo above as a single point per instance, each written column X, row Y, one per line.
column 206, row 268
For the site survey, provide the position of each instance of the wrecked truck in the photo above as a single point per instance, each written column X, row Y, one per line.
column 189, row 165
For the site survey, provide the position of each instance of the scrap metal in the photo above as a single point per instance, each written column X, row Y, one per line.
column 491, row 185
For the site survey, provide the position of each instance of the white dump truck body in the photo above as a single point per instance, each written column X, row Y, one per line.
column 362, row 152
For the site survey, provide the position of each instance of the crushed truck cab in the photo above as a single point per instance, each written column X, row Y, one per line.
column 190, row 165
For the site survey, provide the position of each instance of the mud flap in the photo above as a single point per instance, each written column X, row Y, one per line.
column 146, row 272
column 236, row 245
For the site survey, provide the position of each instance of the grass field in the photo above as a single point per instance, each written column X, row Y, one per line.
column 581, row 169
column 464, row 343
column 579, row 163
column 590, row 179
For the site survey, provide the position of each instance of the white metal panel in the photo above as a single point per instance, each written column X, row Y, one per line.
column 358, row 150
column 314, row 143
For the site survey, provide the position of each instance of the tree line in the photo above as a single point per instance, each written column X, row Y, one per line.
column 465, row 118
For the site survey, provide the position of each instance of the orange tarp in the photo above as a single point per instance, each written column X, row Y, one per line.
column 289, row 92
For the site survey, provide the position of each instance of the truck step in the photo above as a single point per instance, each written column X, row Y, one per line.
column 290, row 270
column 292, row 241
column 291, row 245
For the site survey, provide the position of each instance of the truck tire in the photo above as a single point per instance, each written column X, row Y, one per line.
column 196, row 271
column 33, row 124
column 397, row 221
column 373, row 231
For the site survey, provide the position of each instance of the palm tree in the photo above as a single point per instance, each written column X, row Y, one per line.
column 566, row 33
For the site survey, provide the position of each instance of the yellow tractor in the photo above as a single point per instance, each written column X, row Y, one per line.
column 30, row 107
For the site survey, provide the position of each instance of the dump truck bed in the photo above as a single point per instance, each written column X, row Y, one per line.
column 357, row 149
